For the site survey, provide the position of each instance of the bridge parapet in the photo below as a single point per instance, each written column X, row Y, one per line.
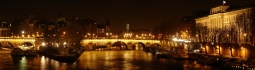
column 90, row 43
column 134, row 40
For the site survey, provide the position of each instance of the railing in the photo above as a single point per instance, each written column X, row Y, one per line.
column 118, row 38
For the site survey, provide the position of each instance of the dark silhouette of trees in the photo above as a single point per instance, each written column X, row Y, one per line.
column 202, row 32
column 243, row 22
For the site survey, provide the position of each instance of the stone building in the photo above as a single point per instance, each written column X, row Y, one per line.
column 227, row 30
column 5, row 29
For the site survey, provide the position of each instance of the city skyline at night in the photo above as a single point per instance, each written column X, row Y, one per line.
column 144, row 14
column 127, row 35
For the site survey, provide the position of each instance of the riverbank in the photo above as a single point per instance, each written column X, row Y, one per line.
column 231, row 63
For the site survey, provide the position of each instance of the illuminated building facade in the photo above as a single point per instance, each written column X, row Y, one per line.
column 67, row 31
column 227, row 31
column 5, row 29
column 33, row 26
column 103, row 30
column 226, row 25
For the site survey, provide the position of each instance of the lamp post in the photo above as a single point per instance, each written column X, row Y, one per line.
column 23, row 32
column 107, row 35
column 89, row 35
column 245, row 38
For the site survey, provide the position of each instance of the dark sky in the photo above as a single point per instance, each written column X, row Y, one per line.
column 138, row 13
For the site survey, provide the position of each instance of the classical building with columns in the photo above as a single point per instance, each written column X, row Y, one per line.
column 227, row 27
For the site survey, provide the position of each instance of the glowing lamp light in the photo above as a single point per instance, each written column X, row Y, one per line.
column 187, row 41
column 22, row 32
column 181, row 40
column 43, row 44
column 224, row 2
column 175, row 39
column 64, row 43
column 242, row 48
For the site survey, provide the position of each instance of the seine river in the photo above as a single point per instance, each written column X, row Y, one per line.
column 101, row 60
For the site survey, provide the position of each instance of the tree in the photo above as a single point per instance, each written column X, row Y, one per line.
column 199, row 32
column 252, row 24
column 232, row 37
column 202, row 32
column 243, row 22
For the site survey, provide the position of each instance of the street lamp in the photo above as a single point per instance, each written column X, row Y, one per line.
column 43, row 44
column 245, row 38
column 22, row 32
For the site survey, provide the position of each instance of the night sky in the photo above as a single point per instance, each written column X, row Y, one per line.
column 140, row 14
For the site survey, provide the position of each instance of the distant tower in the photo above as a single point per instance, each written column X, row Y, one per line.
column 107, row 24
column 127, row 27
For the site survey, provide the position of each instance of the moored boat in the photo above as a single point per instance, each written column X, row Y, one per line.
column 68, row 57
column 17, row 52
column 162, row 54
column 20, row 52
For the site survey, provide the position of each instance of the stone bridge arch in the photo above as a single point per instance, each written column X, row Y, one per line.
column 27, row 45
column 16, row 42
column 138, row 46
column 98, row 45
column 119, row 44
column 89, row 43
column 155, row 45
column 6, row 45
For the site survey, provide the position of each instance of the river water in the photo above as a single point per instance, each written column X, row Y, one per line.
column 101, row 60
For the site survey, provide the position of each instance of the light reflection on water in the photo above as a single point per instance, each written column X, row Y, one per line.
column 114, row 59
column 100, row 60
